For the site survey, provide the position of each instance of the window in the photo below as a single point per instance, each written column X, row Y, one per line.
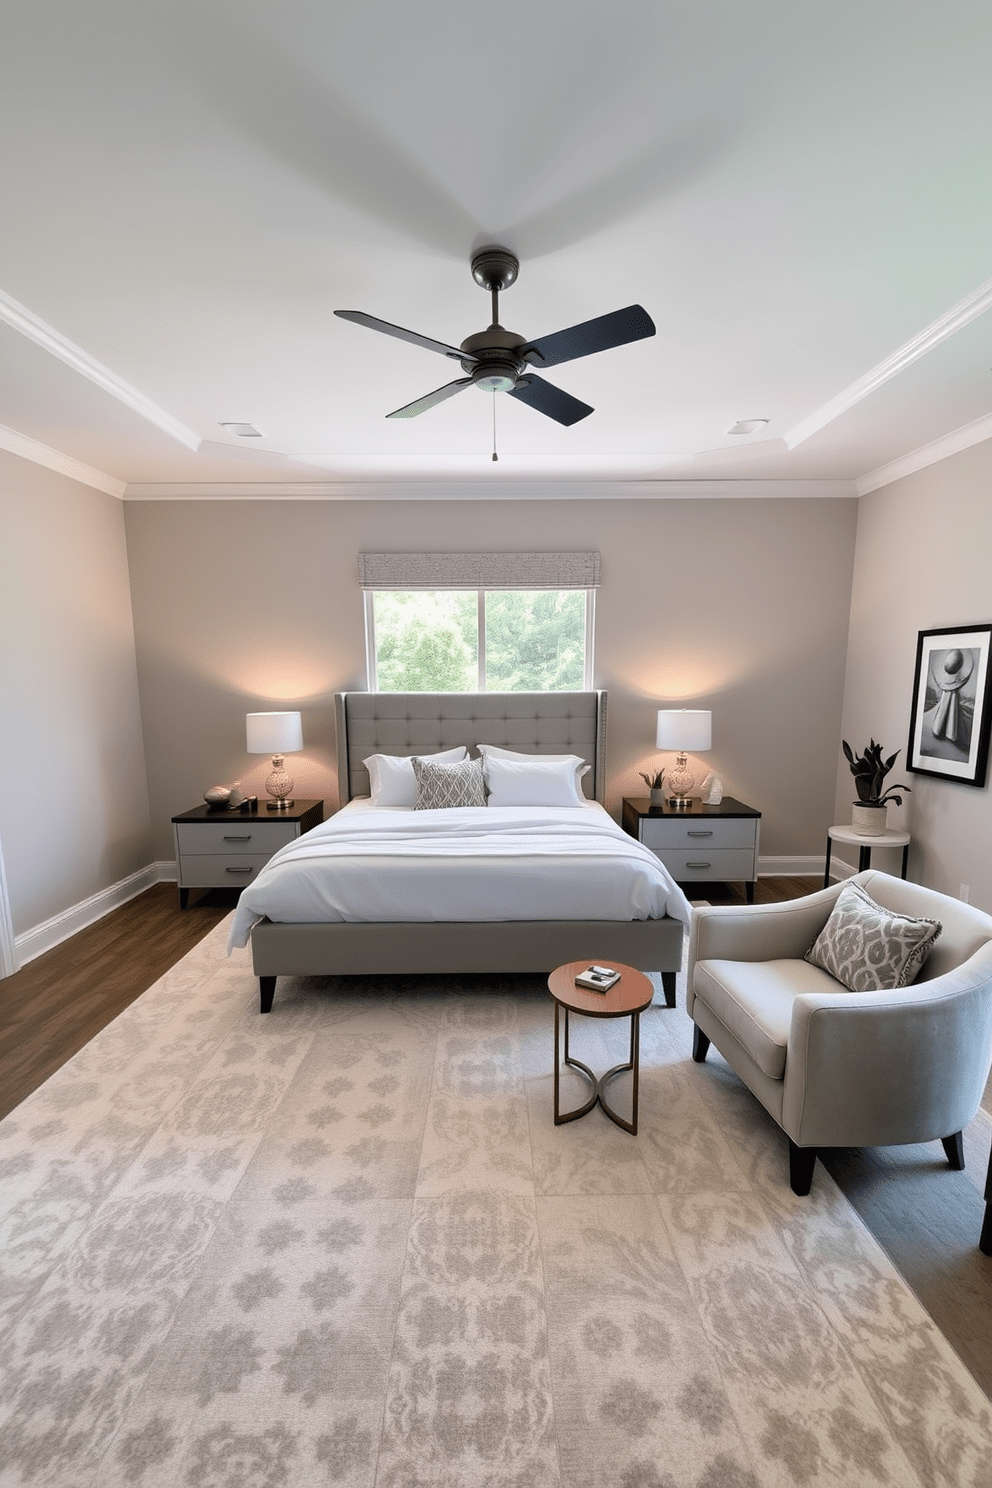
column 479, row 640
column 528, row 629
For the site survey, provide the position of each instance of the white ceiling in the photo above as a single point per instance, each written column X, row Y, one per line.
column 800, row 195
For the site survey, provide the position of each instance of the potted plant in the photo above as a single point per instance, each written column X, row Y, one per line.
column 869, row 770
column 653, row 780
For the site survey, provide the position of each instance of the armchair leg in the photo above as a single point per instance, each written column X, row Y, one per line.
column 802, row 1161
column 954, row 1148
column 700, row 1044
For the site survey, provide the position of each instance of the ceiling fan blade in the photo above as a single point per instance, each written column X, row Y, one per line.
column 617, row 329
column 439, row 395
column 547, row 399
column 374, row 324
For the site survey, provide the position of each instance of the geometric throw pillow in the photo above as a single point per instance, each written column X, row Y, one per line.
column 441, row 786
column 869, row 948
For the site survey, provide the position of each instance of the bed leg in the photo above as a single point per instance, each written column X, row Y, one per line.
column 266, row 991
column 668, row 982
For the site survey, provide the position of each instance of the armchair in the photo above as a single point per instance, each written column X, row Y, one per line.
column 837, row 1068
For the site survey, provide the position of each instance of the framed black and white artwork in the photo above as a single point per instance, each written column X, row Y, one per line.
column 951, row 715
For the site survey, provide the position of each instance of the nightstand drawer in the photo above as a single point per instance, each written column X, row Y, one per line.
column 248, row 836
column 665, row 834
column 222, row 870
column 702, row 863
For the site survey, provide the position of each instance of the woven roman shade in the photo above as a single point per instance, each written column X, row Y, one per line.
column 479, row 570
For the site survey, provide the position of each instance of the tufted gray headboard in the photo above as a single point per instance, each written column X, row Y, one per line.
column 421, row 722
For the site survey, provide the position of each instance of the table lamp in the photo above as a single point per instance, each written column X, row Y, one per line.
column 277, row 734
column 686, row 730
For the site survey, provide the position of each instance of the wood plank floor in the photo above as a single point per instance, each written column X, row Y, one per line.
column 57, row 1003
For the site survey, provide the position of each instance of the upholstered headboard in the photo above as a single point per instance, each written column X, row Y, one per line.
column 421, row 722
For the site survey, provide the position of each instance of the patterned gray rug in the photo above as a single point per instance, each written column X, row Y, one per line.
column 346, row 1244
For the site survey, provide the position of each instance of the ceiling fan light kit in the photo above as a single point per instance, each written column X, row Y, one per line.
column 499, row 361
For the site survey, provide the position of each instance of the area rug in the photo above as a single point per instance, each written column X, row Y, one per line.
column 345, row 1244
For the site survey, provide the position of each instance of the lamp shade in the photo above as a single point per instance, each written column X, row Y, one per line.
column 688, row 730
column 274, row 733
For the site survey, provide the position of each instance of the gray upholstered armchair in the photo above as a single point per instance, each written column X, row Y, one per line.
column 834, row 1067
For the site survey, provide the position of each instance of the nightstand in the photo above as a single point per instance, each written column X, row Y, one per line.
column 226, row 849
column 699, row 843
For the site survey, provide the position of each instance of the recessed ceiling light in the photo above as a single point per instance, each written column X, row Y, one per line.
column 243, row 431
column 747, row 426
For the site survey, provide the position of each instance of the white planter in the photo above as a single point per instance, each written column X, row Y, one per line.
column 869, row 821
column 657, row 795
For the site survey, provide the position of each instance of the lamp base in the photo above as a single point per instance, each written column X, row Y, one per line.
column 681, row 803
column 283, row 805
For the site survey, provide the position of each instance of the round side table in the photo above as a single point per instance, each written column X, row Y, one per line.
column 627, row 998
column 864, row 844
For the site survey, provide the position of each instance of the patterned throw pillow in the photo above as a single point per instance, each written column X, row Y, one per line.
column 440, row 786
column 871, row 949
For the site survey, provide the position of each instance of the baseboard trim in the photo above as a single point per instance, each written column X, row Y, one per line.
column 50, row 933
column 808, row 867
column 839, row 869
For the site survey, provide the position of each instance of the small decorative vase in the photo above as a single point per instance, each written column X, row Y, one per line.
column 868, row 821
column 657, row 794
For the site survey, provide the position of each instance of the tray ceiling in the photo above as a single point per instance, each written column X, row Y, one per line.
column 799, row 195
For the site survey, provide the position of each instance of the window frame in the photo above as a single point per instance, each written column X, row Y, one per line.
column 588, row 668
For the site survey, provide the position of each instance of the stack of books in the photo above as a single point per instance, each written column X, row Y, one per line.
column 597, row 978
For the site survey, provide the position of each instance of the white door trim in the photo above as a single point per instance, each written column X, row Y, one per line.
column 8, row 953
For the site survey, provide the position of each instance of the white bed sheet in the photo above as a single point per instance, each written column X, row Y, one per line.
column 472, row 863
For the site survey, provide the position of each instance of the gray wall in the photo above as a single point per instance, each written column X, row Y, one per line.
column 738, row 605
column 73, row 795
column 924, row 559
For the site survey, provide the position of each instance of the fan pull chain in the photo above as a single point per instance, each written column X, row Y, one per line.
column 495, row 455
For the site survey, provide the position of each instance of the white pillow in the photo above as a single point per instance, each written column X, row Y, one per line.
column 392, row 777
column 493, row 751
column 534, row 781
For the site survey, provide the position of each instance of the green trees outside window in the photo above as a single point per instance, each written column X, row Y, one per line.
column 497, row 640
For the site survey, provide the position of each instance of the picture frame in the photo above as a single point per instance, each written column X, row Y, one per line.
column 951, row 714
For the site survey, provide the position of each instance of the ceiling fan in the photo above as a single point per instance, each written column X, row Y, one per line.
column 499, row 361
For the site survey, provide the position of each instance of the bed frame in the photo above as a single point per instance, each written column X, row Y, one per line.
column 414, row 723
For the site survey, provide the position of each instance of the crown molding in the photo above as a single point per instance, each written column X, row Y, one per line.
column 927, row 454
column 53, row 459
column 911, row 351
column 476, row 490
column 23, row 320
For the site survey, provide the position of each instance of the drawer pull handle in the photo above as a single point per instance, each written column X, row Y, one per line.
column 699, row 834
column 688, row 865
column 245, row 837
column 240, row 870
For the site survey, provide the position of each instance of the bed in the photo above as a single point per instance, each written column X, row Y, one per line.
column 290, row 936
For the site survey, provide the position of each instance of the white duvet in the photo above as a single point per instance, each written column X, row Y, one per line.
column 470, row 863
